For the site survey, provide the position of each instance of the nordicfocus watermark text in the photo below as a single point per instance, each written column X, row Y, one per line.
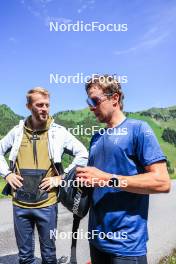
column 94, row 182
column 81, row 234
column 81, row 26
column 81, row 78
column 80, row 130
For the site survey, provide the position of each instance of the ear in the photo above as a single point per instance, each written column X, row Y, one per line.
column 28, row 106
column 115, row 98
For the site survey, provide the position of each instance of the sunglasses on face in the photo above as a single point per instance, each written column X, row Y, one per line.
column 93, row 102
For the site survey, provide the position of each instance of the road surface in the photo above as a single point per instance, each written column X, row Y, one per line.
column 162, row 230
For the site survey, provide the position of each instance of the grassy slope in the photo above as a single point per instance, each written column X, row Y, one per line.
column 170, row 259
column 170, row 123
column 75, row 116
column 2, row 184
column 163, row 111
column 168, row 149
column 78, row 117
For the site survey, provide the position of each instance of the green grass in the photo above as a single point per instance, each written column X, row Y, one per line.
column 2, row 184
column 158, row 126
column 170, row 259
column 170, row 123
column 157, row 129
column 75, row 116
column 168, row 149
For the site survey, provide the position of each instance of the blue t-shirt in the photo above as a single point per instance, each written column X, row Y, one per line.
column 118, row 219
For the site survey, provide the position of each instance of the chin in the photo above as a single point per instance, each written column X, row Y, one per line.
column 43, row 119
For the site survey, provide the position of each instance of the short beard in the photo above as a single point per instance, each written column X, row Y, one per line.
column 39, row 119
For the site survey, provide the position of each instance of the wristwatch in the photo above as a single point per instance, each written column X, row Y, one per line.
column 114, row 181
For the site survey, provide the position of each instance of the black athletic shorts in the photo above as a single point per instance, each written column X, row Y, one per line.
column 100, row 257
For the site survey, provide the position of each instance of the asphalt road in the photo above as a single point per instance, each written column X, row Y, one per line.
column 162, row 230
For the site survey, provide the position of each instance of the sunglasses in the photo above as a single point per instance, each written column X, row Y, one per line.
column 93, row 102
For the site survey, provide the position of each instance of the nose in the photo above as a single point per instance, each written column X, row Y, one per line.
column 44, row 108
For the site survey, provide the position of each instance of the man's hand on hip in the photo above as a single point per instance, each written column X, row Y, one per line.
column 50, row 182
column 14, row 180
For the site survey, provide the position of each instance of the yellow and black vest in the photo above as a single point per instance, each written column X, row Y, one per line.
column 33, row 158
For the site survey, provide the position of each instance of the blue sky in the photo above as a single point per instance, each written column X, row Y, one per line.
column 145, row 53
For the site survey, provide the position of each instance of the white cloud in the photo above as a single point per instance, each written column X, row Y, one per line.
column 39, row 9
column 33, row 11
column 125, row 51
column 60, row 20
column 145, row 44
column 13, row 40
column 85, row 5
column 160, row 29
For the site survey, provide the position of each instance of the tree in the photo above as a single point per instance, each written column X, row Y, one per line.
column 169, row 135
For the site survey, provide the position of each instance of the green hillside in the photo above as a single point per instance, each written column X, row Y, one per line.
column 74, row 116
column 168, row 149
column 8, row 119
column 164, row 112
column 165, row 117
column 157, row 118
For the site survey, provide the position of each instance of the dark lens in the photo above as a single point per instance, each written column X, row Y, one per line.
column 91, row 102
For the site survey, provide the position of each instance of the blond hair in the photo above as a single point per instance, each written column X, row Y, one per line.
column 108, row 84
column 36, row 90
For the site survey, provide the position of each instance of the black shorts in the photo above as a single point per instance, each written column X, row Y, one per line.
column 100, row 257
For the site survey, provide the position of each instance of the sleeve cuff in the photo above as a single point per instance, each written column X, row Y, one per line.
column 7, row 174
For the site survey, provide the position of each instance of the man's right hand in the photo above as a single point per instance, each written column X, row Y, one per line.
column 14, row 180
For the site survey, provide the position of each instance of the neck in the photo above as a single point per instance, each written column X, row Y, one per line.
column 37, row 125
column 116, row 118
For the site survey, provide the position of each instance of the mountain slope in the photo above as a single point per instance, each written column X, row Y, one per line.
column 155, row 117
column 8, row 119
column 77, row 122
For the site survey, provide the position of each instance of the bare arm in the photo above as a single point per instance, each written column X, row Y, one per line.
column 155, row 180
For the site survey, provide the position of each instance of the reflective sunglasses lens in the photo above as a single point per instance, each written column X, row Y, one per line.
column 91, row 102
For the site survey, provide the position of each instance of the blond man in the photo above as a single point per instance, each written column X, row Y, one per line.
column 36, row 146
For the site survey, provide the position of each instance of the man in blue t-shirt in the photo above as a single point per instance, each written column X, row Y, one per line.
column 126, row 164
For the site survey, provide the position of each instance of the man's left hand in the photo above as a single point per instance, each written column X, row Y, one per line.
column 91, row 176
column 49, row 183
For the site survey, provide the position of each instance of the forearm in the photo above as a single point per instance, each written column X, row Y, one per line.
column 147, row 183
column 155, row 180
column 4, row 167
column 5, row 147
